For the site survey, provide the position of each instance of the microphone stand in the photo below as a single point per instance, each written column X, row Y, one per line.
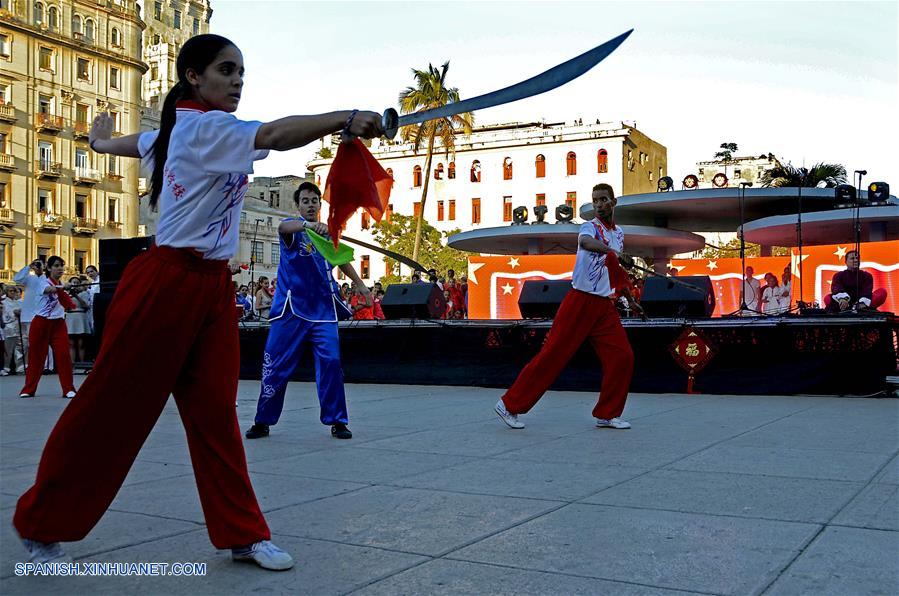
column 744, row 308
column 799, row 238
column 857, row 223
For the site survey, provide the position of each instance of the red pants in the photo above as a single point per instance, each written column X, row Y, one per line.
column 43, row 334
column 170, row 329
column 580, row 316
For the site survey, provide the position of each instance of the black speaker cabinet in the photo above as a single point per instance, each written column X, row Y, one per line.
column 663, row 297
column 413, row 301
column 540, row 299
column 116, row 253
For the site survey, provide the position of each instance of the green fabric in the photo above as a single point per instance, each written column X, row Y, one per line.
column 341, row 255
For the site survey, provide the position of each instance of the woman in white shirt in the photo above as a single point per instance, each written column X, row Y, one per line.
column 170, row 327
column 771, row 296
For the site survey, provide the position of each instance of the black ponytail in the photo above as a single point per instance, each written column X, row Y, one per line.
column 197, row 53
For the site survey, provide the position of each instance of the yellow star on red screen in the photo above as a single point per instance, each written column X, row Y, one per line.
column 507, row 289
column 513, row 262
column 841, row 252
column 712, row 265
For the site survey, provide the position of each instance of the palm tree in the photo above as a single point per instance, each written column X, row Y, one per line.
column 429, row 92
column 826, row 175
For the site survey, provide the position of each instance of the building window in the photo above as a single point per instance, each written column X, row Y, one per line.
column 114, row 77
column 115, row 120
column 45, row 200
column 540, row 166
column 53, row 18
column 112, row 166
column 571, row 200
column 571, row 163
column 89, row 29
column 541, row 199
column 737, row 173
column 43, row 253
column 507, row 168
column 4, row 45
column 276, row 253
column 452, row 210
column 81, row 161
column 3, row 201
column 438, row 172
column 439, row 210
column 507, row 208
column 157, row 39
column 416, row 176
column 416, row 209
column 176, row 21
column 46, row 59
column 451, row 171
column 196, row 27
column 602, row 161
column 112, row 211
column 366, row 267
column 83, row 69
column 116, row 37
column 389, row 172
column 341, row 275
column 2, row 143
column 45, row 154
column 6, row 255
column 256, row 251
column 157, row 10
column 475, row 171
column 366, row 220
column 77, row 25
column 38, row 13
column 80, row 205
column 154, row 71
column 5, row 97
column 476, row 211
column 82, row 113
column 389, row 212
column 80, row 260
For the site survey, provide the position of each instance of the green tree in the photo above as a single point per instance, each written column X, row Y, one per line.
column 726, row 154
column 325, row 153
column 830, row 174
column 430, row 91
column 396, row 235
column 731, row 249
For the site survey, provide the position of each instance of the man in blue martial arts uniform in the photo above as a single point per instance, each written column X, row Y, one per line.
column 306, row 307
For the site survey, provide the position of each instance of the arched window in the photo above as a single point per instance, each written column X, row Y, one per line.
column 89, row 29
column 77, row 25
column 157, row 39
column 475, row 171
column 53, row 18
column 602, row 161
column 416, row 176
column 571, row 163
column 507, row 168
column 38, row 13
column 540, row 166
column 389, row 172
column 116, row 37
column 451, row 171
column 438, row 172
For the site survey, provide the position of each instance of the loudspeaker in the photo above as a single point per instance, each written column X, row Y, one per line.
column 665, row 298
column 413, row 301
column 540, row 299
column 99, row 307
column 116, row 253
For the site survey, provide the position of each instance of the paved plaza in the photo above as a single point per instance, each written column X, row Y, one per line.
column 434, row 495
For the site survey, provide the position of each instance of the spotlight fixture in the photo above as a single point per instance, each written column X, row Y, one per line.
column 879, row 192
column 719, row 180
column 844, row 193
column 540, row 212
column 564, row 214
column 520, row 216
column 690, row 181
column 665, row 183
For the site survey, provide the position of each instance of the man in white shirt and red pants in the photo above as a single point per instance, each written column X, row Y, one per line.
column 587, row 312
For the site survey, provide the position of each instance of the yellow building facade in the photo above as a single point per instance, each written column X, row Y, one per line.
column 61, row 63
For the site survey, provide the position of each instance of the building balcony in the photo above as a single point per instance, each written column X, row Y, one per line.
column 6, row 274
column 7, row 217
column 86, row 176
column 85, row 225
column 7, row 112
column 115, row 225
column 47, row 169
column 83, row 39
column 49, row 122
column 114, row 176
column 7, row 162
column 47, row 221
column 81, row 130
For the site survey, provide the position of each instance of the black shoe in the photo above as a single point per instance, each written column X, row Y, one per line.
column 340, row 431
column 257, row 431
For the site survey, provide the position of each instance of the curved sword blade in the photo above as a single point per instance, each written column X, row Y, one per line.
column 543, row 82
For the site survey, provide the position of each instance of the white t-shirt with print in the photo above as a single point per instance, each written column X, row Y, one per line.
column 590, row 273
column 204, row 182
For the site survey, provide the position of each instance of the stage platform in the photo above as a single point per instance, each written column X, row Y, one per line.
column 787, row 355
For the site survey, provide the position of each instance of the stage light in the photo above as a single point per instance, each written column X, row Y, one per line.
column 690, row 182
column 540, row 212
column 720, row 180
column 564, row 214
column 844, row 193
column 878, row 191
column 665, row 183
column 520, row 216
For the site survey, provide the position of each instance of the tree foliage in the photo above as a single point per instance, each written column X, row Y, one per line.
column 398, row 235
column 827, row 175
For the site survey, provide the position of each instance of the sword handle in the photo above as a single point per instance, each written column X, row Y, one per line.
column 390, row 122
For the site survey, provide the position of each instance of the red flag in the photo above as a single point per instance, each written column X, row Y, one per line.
column 618, row 278
column 356, row 180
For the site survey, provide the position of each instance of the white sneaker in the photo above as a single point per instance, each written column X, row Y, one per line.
column 69, row 395
column 510, row 419
column 3, row 372
column 265, row 554
column 45, row 552
column 613, row 423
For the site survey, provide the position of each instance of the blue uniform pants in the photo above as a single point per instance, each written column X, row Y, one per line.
column 286, row 338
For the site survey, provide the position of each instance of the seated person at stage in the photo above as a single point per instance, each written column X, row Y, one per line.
column 853, row 288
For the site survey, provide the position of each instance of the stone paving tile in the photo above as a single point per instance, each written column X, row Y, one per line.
column 876, row 507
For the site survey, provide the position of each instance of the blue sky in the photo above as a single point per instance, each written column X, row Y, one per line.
column 809, row 81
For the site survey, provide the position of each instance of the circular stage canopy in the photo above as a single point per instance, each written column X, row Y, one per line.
column 716, row 210
column 560, row 239
column 826, row 227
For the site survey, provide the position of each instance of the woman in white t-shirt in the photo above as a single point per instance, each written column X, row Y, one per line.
column 771, row 296
column 170, row 327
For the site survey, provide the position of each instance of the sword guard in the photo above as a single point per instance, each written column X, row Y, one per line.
column 390, row 122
